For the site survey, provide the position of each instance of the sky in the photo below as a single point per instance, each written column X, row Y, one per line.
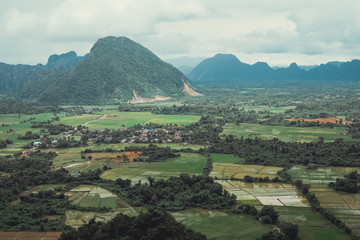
column 279, row 32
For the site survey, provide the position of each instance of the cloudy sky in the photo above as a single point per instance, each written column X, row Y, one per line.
column 276, row 31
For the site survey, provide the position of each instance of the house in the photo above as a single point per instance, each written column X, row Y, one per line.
column 77, row 174
column 37, row 143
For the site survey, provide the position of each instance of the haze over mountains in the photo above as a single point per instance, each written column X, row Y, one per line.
column 118, row 69
column 227, row 68
column 115, row 68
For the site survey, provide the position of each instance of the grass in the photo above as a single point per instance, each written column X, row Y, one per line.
column 311, row 224
column 14, row 122
column 121, row 120
column 226, row 158
column 287, row 134
column 139, row 171
column 220, row 225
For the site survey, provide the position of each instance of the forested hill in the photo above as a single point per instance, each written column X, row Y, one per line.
column 17, row 79
column 226, row 68
column 114, row 68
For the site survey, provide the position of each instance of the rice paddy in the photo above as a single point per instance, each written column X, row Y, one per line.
column 92, row 196
column 312, row 226
column 76, row 219
column 231, row 170
column 273, row 194
column 226, row 158
column 319, row 175
column 343, row 205
column 287, row 134
column 220, row 225
column 119, row 120
column 190, row 163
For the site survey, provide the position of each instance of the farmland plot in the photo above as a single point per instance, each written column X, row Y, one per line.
column 221, row 225
column 228, row 170
column 321, row 175
column 287, row 134
column 274, row 194
column 190, row 163
column 76, row 219
column 92, row 196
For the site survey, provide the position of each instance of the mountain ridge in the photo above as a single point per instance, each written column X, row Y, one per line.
column 227, row 68
column 114, row 68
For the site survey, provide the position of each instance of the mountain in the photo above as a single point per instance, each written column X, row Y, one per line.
column 218, row 68
column 117, row 69
column 63, row 61
column 21, row 79
column 228, row 69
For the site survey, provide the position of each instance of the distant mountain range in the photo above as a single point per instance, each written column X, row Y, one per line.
column 228, row 69
column 117, row 69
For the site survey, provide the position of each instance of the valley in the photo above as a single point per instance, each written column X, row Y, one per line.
column 219, row 155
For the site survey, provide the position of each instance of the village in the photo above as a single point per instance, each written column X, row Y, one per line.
column 83, row 136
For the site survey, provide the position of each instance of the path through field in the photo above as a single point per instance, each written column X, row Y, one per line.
column 95, row 120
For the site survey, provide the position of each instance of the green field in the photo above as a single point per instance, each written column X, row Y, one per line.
column 121, row 120
column 191, row 163
column 92, row 196
column 67, row 156
column 350, row 217
column 14, row 122
column 220, row 225
column 226, row 158
column 288, row 134
column 312, row 226
column 269, row 108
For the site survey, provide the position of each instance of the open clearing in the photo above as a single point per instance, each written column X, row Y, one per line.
column 220, row 225
column 119, row 120
column 190, row 163
column 288, row 134
column 229, row 170
column 274, row 194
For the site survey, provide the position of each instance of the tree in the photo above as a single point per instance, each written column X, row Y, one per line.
column 289, row 229
column 270, row 212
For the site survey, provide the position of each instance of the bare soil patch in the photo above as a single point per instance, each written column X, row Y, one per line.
column 320, row 120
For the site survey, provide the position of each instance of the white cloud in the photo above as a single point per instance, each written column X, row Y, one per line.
column 308, row 32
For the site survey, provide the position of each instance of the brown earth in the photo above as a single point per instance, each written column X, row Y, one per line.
column 320, row 120
column 130, row 156
column 139, row 99
column 30, row 235
column 189, row 91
